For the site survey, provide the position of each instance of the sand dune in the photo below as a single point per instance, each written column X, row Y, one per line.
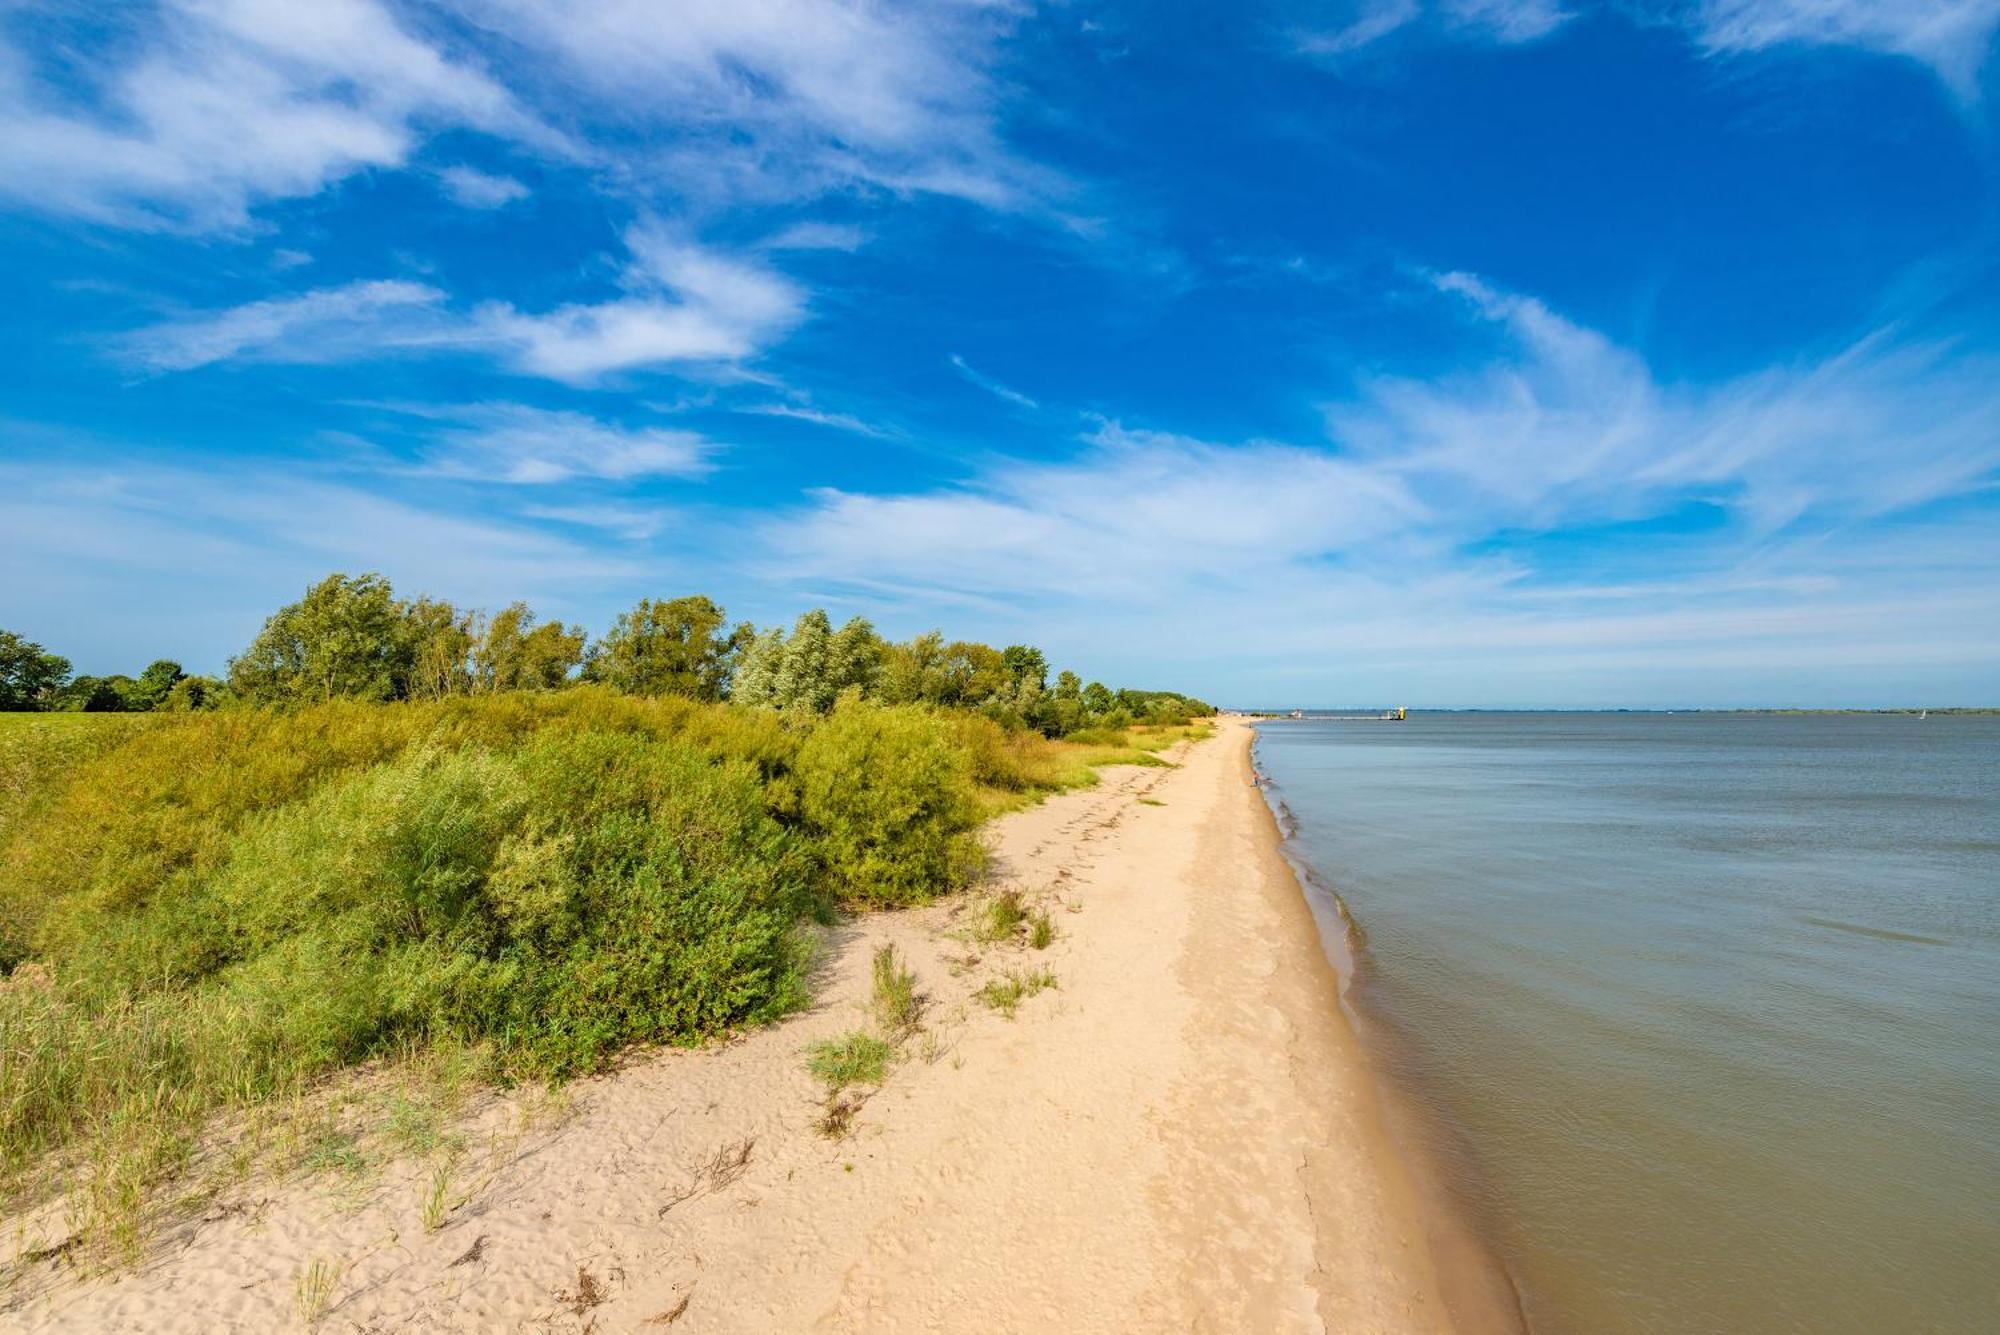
column 1179, row 1136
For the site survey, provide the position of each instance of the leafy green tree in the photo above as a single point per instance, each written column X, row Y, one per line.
column 755, row 681
column 1097, row 699
column 439, row 641
column 973, row 674
column 154, row 684
column 804, row 679
column 346, row 637
column 1025, row 663
column 516, row 654
column 854, row 660
column 672, row 647
column 30, row 676
column 913, row 672
column 96, row 695
column 192, row 693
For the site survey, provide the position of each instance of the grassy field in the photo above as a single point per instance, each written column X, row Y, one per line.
column 206, row 915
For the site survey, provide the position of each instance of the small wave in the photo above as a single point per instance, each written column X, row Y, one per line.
column 1880, row 933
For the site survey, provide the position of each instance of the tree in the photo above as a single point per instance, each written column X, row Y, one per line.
column 973, row 674
column 191, row 693
column 913, row 672
column 666, row 648
column 346, row 637
column 803, row 680
column 30, row 676
column 439, row 650
column 1025, row 663
column 755, row 681
column 154, row 684
column 516, row 654
column 96, row 695
column 855, row 657
column 1097, row 699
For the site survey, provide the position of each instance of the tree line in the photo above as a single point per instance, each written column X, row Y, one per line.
column 351, row 637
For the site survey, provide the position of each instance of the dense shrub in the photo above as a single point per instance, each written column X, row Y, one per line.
column 886, row 793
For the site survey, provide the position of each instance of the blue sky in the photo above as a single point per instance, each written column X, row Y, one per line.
column 1438, row 352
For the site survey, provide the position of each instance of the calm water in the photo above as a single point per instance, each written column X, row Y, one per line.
column 1706, row 1008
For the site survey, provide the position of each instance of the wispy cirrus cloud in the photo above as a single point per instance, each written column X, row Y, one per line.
column 788, row 99
column 1439, row 523
column 207, row 107
column 1567, row 426
column 818, row 417
column 1508, row 22
column 684, row 305
column 523, row 445
column 994, row 387
column 1953, row 37
column 329, row 324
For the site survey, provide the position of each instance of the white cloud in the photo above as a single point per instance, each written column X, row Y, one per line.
column 684, row 305
column 512, row 442
column 1568, row 426
column 790, row 98
column 1953, row 37
column 817, row 236
column 1509, row 22
column 990, row 385
column 189, row 114
column 837, row 421
column 480, row 190
column 325, row 325
column 1404, row 562
column 688, row 304
column 635, row 523
column 1142, row 514
column 237, row 552
column 211, row 106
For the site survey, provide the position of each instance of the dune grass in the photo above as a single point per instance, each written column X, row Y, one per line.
column 855, row 1058
column 894, row 998
column 1006, row 993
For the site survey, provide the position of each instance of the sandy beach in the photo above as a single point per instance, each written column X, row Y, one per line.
column 1181, row 1135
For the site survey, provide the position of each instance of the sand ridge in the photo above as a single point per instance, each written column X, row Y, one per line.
column 1180, row 1136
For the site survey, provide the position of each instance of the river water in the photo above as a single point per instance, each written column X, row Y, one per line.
column 1701, row 1012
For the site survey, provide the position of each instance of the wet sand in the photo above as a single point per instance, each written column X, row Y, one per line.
column 1181, row 1135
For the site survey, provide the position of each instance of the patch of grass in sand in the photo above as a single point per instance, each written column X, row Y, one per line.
column 434, row 1201
column 1000, row 918
column 1151, row 802
column 313, row 1289
column 1041, row 931
column 854, row 1058
column 1006, row 993
column 895, row 997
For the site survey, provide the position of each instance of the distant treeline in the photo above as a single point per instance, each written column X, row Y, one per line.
column 350, row 637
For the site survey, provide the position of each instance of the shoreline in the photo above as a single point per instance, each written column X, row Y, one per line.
column 1182, row 1133
column 1478, row 1289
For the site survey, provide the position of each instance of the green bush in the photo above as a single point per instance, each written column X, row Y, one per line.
column 223, row 909
column 886, row 795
